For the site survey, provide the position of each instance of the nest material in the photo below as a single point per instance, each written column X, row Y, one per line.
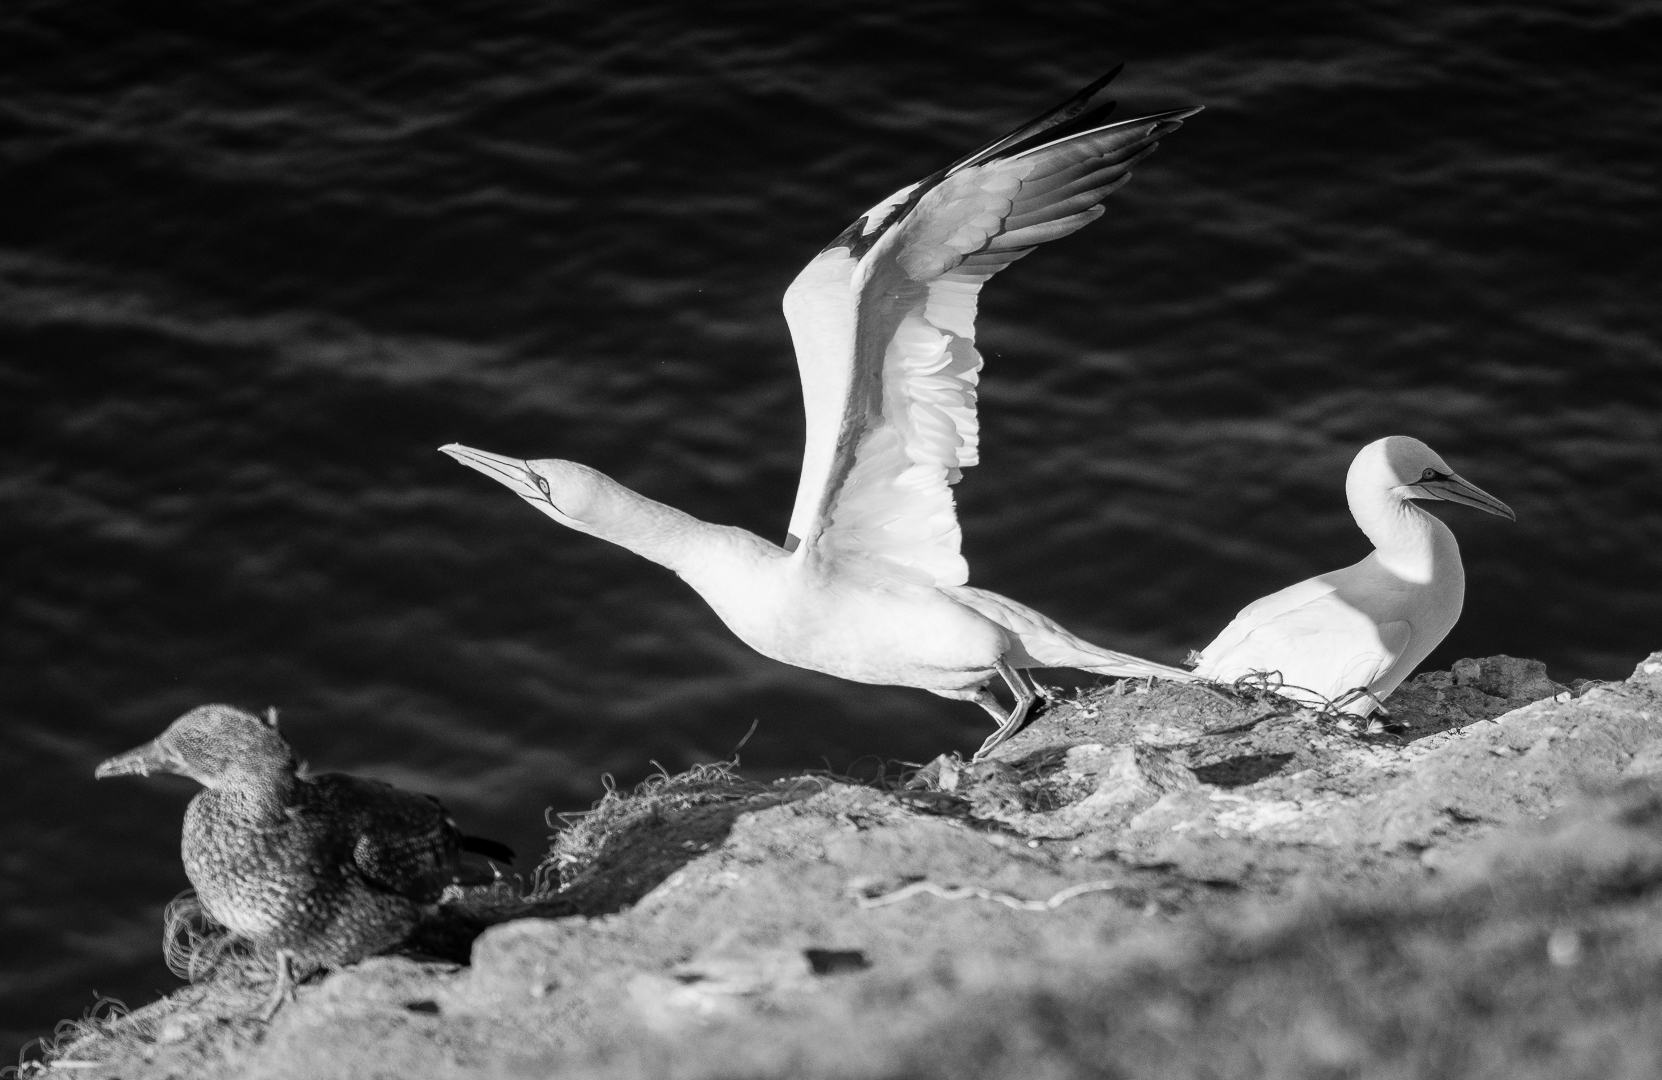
column 195, row 946
column 584, row 837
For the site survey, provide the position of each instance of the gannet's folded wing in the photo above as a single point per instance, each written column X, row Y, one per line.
column 401, row 842
column 1319, row 645
column 883, row 322
column 1264, row 610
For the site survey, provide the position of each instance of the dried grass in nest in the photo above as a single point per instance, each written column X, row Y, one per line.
column 38, row 1055
column 583, row 836
column 197, row 949
column 1265, row 688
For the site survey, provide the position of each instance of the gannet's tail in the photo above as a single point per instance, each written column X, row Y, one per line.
column 1048, row 645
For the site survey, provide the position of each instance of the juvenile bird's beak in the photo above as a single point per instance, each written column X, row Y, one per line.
column 1456, row 490
column 510, row 472
column 141, row 760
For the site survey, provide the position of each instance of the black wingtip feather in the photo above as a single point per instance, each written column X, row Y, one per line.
column 1078, row 115
column 1043, row 124
column 490, row 849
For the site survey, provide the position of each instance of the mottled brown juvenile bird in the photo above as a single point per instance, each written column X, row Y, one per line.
column 316, row 871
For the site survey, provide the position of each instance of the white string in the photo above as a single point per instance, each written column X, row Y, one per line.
column 966, row 892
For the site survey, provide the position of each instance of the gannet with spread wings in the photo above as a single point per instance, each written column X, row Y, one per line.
column 870, row 584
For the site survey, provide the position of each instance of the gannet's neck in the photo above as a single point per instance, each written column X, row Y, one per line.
column 1407, row 541
column 667, row 536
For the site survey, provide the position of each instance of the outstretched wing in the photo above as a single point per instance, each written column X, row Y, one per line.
column 883, row 322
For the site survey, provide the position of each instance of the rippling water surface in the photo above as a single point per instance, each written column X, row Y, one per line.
column 258, row 260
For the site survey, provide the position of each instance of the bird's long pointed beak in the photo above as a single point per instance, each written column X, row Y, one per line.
column 510, row 472
column 139, row 761
column 1466, row 493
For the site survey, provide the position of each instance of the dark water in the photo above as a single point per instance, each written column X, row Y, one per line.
column 259, row 260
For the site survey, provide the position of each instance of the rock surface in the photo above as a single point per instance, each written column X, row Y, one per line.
column 1173, row 881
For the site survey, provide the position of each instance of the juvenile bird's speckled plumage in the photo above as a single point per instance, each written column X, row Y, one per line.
column 317, row 871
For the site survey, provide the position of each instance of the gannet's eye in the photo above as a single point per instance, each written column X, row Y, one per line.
column 1429, row 474
column 542, row 485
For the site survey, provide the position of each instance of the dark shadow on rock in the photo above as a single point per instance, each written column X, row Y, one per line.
column 635, row 859
column 1239, row 771
column 836, row 961
column 606, row 860
column 448, row 933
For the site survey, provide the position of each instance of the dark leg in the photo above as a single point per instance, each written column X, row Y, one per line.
column 1007, row 725
column 284, row 990
column 1357, row 694
column 1042, row 691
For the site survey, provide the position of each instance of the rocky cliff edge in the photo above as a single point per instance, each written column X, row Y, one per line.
column 1167, row 881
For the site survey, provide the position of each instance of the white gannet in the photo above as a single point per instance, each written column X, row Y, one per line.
column 1351, row 636
column 870, row 584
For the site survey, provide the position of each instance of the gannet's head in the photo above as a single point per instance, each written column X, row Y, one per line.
column 572, row 494
column 1409, row 469
column 209, row 744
